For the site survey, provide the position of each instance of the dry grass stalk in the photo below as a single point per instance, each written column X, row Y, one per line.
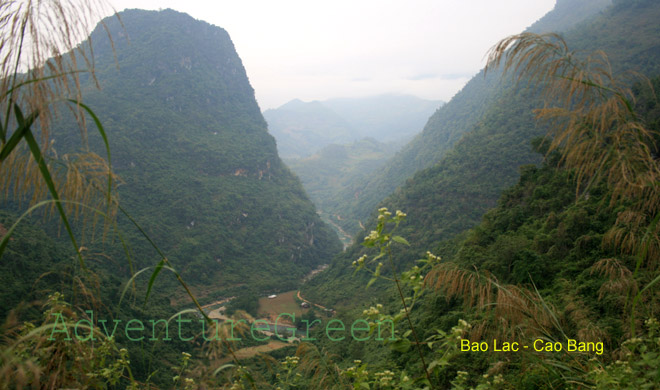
column 509, row 312
column 325, row 372
column 41, row 56
column 81, row 181
column 620, row 281
column 43, row 37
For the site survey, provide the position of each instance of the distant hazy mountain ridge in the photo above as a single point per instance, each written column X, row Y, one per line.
column 302, row 129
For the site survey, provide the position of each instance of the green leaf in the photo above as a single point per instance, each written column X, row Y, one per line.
column 401, row 240
column 368, row 244
column 152, row 279
column 130, row 281
column 401, row 345
column 16, row 138
column 371, row 281
column 101, row 130
column 223, row 367
column 45, row 173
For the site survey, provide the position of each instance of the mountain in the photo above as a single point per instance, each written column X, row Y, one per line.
column 200, row 172
column 201, row 176
column 465, row 111
column 523, row 255
column 387, row 118
column 566, row 14
column 301, row 129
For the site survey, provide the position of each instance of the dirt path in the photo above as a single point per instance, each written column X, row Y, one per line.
column 220, row 302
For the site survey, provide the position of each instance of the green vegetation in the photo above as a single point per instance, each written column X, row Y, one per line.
column 538, row 272
column 518, row 247
column 248, row 302
column 451, row 196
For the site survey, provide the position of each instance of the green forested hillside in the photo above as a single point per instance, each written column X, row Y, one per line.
column 198, row 172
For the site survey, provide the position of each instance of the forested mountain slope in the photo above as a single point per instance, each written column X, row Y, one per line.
column 564, row 268
column 197, row 171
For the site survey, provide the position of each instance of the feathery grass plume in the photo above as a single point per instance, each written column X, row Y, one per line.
column 320, row 365
column 42, row 38
column 514, row 311
column 620, row 282
column 579, row 315
column 596, row 130
column 80, row 177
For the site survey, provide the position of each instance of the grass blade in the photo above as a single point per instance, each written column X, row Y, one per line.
column 45, row 173
column 152, row 279
column 16, row 137
column 101, row 130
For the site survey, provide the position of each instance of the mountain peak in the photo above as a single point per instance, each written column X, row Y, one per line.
column 190, row 142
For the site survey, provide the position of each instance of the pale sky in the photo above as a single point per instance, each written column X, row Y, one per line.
column 313, row 50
